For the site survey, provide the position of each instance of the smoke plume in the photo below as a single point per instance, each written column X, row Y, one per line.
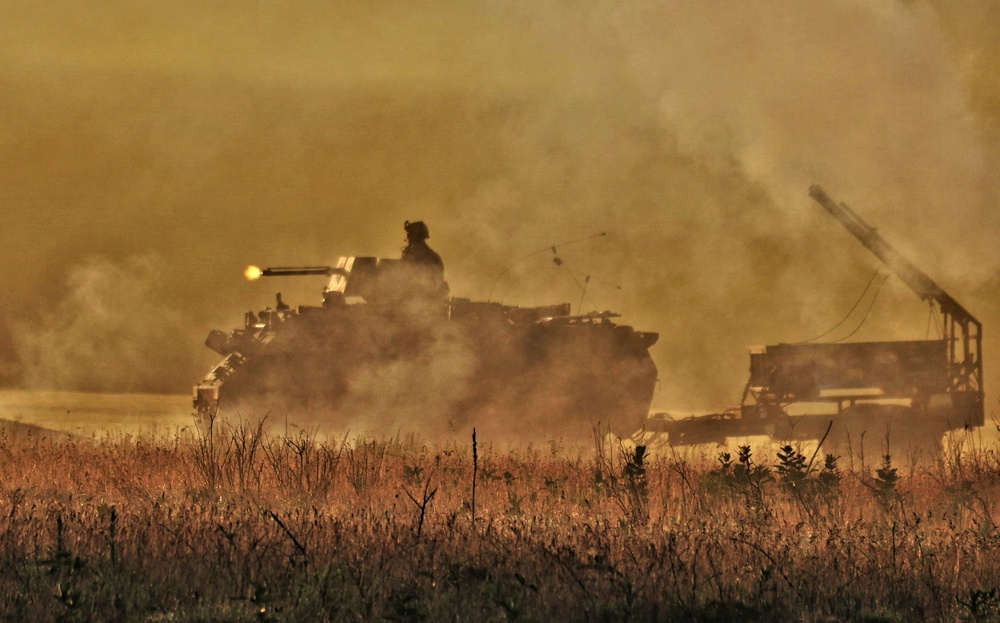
column 212, row 137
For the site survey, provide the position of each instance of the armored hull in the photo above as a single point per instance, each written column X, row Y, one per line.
column 391, row 360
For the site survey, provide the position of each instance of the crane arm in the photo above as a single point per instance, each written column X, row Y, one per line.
column 916, row 279
column 963, row 334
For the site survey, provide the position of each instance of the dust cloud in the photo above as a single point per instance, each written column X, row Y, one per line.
column 209, row 137
column 108, row 332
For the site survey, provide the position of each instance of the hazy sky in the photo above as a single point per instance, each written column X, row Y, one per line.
column 151, row 150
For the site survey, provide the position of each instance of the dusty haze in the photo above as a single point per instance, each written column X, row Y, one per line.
column 150, row 152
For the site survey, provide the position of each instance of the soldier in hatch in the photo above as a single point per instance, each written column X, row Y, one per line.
column 416, row 249
column 417, row 253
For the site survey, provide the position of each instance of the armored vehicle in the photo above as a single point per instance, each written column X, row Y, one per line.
column 386, row 350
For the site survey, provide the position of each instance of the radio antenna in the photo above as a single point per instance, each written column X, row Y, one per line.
column 553, row 248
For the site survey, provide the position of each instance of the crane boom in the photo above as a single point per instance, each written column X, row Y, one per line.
column 916, row 279
column 962, row 332
column 929, row 386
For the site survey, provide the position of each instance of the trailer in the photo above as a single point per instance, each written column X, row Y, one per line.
column 909, row 393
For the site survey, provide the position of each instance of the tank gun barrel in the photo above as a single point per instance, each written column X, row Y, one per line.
column 295, row 271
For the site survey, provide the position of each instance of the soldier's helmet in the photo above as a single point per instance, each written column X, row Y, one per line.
column 416, row 230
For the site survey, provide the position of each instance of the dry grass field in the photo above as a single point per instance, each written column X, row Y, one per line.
column 250, row 525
